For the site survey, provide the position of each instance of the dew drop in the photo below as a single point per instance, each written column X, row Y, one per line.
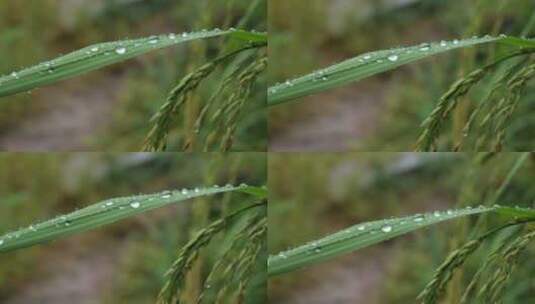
column 184, row 35
column 366, row 57
column 109, row 204
column 393, row 58
column 436, row 214
column 95, row 49
column 455, row 41
column 424, row 49
column 172, row 36
column 386, row 229
column 449, row 212
column 1, row 242
column 361, row 227
column 166, row 195
column 418, row 219
column 184, row 191
column 153, row 41
column 135, row 205
column 120, row 50
column 196, row 190
column 443, row 43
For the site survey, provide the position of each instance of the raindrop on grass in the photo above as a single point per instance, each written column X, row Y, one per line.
column 1, row 242
column 184, row 191
column 172, row 36
column 418, row 219
column 153, row 41
column 135, row 205
column 393, row 58
column 120, row 50
column 361, row 228
column 94, row 49
column 443, row 43
column 386, row 229
column 436, row 214
column 455, row 41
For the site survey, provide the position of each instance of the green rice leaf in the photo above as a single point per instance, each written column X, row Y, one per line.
column 104, row 213
column 370, row 233
column 101, row 55
column 373, row 63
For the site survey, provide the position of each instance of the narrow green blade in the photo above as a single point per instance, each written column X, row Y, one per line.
column 103, row 213
column 100, row 55
column 373, row 63
column 370, row 233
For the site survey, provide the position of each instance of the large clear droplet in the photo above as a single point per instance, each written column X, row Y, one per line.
column 120, row 50
column 386, row 229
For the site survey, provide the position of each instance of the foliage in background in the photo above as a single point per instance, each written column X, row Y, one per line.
column 145, row 81
column 341, row 198
column 148, row 244
column 334, row 31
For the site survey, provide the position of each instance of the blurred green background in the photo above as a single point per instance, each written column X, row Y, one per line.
column 124, row 262
column 315, row 194
column 110, row 109
column 383, row 113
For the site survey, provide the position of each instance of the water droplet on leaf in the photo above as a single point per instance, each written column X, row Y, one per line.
column 120, row 50
column 386, row 229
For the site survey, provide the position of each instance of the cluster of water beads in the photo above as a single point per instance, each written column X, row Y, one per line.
column 384, row 227
column 119, row 203
column 120, row 48
column 377, row 57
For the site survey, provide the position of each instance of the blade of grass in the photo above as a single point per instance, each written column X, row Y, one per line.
column 373, row 63
column 370, row 233
column 100, row 55
column 107, row 212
